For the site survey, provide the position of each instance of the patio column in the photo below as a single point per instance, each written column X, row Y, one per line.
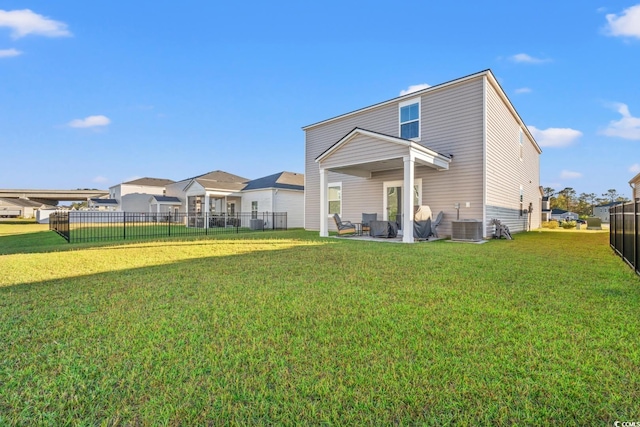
column 206, row 210
column 324, row 205
column 409, row 178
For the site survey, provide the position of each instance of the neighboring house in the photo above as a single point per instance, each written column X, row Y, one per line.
column 25, row 208
column 635, row 186
column 460, row 143
column 103, row 204
column 212, row 192
column 133, row 196
column 546, row 211
column 562, row 215
column 602, row 211
column 280, row 192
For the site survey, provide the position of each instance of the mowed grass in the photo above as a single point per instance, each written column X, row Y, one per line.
column 287, row 328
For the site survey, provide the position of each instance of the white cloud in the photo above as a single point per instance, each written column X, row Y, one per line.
column 628, row 127
column 100, row 180
column 634, row 168
column 8, row 53
column 89, row 122
column 555, row 137
column 627, row 24
column 565, row 174
column 24, row 22
column 527, row 59
column 523, row 90
column 414, row 88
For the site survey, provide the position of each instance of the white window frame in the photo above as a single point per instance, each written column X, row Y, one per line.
column 329, row 200
column 521, row 146
column 400, row 123
column 254, row 212
column 417, row 182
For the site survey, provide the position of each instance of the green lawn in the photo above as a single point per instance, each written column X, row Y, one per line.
column 287, row 328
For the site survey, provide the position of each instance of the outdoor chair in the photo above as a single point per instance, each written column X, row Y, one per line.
column 435, row 223
column 344, row 227
column 366, row 219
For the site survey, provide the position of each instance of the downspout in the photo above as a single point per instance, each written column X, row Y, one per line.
column 484, row 156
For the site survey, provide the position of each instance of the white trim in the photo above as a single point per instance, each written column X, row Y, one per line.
column 329, row 185
column 409, row 184
column 399, row 183
column 484, row 157
column 324, row 204
column 417, row 100
column 420, row 149
column 400, row 98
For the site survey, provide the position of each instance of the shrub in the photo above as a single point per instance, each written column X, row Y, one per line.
column 569, row 224
column 549, row 224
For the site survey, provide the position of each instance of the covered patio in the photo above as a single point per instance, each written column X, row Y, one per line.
column 362, row 152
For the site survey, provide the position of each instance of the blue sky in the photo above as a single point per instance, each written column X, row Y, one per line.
column 100, row 92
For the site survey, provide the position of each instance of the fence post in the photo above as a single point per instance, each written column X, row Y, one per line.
column 124, row 226
column 169, row 225
column 237, row 223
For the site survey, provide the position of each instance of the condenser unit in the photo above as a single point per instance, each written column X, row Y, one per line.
column 466, row 230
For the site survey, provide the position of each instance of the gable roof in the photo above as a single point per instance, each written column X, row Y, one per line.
column 108, row 202
column 606, row 205
column 284, row 180
column 219, row 180
column 166, row 199
column 490, row 77
column 25, row 203
column 153, row 182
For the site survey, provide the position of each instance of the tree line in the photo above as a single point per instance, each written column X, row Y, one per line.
column 583, row 203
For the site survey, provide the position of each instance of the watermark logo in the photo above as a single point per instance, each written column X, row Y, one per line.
column 626, row 423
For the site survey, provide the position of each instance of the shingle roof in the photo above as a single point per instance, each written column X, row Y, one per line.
column 167, row 199
column 25, row 203
column 284, row 180
column 105, row 201
column 153, row 182
column 221, row 180
column 606, row 205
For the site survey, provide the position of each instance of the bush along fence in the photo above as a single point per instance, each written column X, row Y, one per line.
column 623, row 232
column 90, row 226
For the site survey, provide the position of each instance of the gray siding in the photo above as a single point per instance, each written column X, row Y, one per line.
column 506, row 171
column 362, row 149
column 451, row 123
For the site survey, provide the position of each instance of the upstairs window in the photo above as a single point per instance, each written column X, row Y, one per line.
column 410, row 119
column 521, row 136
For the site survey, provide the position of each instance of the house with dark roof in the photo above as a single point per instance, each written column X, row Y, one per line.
column 25, row 208
column 563, row 215
column 212, row 192
column 280, row 192
column 459, row 147
column 602, row 211
column 133, row 195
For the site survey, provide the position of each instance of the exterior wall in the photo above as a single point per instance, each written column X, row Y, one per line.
column 602, row 212
column 142, row 189
column 135, row 203
column 277, row 200
column 451, row 123
column 363, row 149
column 291, row 202
column 177, row 190
column 565, row 215
column 506, row 172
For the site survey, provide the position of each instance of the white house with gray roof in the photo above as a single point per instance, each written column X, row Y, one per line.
column 460, row 143
column 280, row 192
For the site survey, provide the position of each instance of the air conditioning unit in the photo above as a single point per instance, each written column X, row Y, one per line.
column 466, row 230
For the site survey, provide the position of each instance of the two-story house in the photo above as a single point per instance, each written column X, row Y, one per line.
column 459, row 144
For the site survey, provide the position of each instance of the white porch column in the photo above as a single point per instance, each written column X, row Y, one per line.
column 206, row 210
column 324, row 204
column 409, row 178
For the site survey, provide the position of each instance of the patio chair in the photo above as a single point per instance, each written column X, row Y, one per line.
column 435, row 223
column 344, row 227
column 366, row 219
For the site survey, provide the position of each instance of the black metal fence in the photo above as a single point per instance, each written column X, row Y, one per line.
column 89, row 226
column 623, row 232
